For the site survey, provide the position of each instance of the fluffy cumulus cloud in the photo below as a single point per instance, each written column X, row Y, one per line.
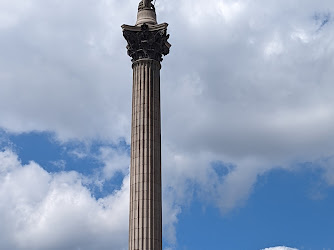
column 57, row 211
column 253, row 92
column 59, row 70
column 247, row 87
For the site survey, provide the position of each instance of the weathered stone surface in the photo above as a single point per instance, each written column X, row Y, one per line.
column 146, row 13
column 147, row 43
column 145, row 176
column 145, row 4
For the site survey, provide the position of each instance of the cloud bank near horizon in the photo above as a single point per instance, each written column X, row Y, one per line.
column 41, row 210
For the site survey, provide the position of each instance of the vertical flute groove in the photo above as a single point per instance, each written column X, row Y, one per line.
column 145, row 194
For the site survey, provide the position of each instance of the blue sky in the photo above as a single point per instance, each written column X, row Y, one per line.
column 247, row 124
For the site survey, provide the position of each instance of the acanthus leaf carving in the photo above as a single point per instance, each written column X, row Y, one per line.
column 146, row 43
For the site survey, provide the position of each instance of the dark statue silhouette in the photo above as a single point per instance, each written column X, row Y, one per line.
column 144, row 4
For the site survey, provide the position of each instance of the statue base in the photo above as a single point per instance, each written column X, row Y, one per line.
column 147, row 16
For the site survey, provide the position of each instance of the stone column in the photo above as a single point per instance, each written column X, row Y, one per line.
column 147, row 42
column 145, row 191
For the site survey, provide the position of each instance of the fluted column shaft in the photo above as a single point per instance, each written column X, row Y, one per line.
column 145, row 232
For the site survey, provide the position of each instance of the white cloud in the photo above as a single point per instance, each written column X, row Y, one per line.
column 114, row 160
column 56, row 211
column 40, row 210
column 63, row 68
column 230, row 9
column 171, row 210
column 274, row 47
column 53, row 79
column 256, row 113
column 280, row 248
column 301, row 35
column 11, row 13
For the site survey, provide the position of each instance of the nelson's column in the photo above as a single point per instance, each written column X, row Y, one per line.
column 147, row 42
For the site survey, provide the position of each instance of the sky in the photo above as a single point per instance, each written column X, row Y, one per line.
column 247, row 124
